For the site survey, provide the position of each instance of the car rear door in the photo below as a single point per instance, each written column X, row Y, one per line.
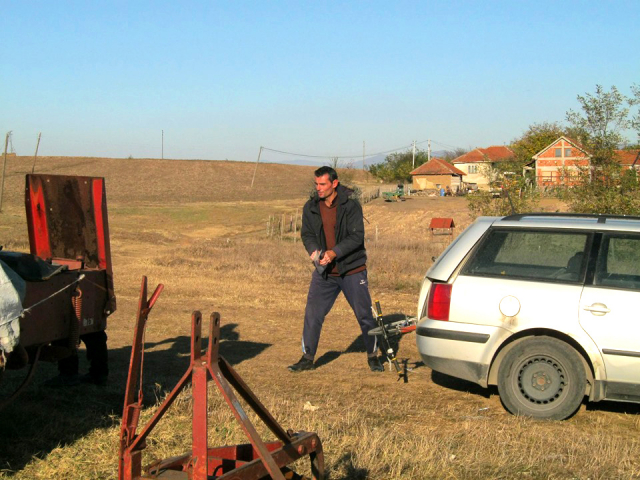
column 523, row 278
column 610, row 311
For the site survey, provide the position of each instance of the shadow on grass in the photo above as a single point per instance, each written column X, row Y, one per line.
column 358, row 346
column 351, row 472
column 43, row 418
column 615, row 407
column 469, row 387
column 460, row 385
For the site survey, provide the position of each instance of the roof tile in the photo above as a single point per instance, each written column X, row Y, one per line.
column 437, row 166
column 495, row 153
column 627, row 157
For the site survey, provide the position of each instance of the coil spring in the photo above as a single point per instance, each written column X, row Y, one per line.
column 74, row 330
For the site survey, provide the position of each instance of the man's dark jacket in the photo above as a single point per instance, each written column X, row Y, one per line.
column 349, row 248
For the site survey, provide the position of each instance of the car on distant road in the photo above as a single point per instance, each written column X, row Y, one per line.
column 545, row 306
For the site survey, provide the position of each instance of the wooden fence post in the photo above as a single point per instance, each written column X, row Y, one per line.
column 282, row 227
column 295, row 227
column 4, row 168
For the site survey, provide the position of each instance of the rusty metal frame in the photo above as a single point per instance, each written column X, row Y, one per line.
column 254, row 460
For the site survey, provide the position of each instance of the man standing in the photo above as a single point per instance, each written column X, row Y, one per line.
column 333, row 235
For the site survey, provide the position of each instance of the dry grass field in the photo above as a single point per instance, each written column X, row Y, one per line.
column 197, row 228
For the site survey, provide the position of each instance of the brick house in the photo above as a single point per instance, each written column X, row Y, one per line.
column 436, row 173
column 559, row 163
column 477, row 163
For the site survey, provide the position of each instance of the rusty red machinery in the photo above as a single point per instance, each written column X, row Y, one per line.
column 67, row 274
column 441, row 226
column 254, row 460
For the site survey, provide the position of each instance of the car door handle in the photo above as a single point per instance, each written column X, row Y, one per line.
column 597, row 309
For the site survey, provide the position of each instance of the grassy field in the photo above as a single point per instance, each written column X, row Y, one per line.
column 199, row 229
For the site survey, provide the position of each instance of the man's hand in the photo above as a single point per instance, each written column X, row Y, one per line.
column 328, row 257
column 314, row 254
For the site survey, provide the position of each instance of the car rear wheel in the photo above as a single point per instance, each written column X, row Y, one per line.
column 542, row 377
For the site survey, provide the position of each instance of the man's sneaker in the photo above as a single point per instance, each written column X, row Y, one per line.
column 62, row 381
column 303, row 364
column 100, row 380
column 374, row 364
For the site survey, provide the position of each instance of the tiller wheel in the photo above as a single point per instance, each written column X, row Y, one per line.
column 254, row 460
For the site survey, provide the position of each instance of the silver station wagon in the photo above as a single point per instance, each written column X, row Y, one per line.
column 545, row 306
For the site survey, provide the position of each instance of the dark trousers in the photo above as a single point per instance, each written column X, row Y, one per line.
column 321, row 297
column 96, row 343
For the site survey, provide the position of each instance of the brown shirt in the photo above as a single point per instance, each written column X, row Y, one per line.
column 329, row 215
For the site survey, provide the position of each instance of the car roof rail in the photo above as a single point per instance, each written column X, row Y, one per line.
column 602, row 217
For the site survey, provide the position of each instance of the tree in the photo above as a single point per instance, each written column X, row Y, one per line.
column 398, row 166
column 535, row 138
column 513, row 199
column 604, row 187
column 601, row 122
column 635, row 120
column 451, row 155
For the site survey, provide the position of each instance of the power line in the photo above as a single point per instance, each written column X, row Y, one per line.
column 445, row 145
column 357, row 155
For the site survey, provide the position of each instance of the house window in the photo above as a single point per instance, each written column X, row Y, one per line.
column 567, row 152
column 558, row 152
column 473, row 169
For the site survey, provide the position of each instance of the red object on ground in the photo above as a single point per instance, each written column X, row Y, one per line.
column 441, row 223
column 254, row 460
column 441, row 226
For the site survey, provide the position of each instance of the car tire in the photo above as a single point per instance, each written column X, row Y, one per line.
column 542, row 377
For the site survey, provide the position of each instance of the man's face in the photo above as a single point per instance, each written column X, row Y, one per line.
column 325, row 187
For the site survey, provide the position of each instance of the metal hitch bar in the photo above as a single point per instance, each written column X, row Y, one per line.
column 254, row 460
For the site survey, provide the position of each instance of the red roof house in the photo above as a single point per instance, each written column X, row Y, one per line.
column 476, row 164
column 436, row 173
column 628, row 158
column 559, row 163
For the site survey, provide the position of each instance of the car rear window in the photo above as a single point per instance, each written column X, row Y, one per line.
column 530, row 255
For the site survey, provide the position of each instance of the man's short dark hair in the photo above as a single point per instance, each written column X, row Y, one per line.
column 333, row 175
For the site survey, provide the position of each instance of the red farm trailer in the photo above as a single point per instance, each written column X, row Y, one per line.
column 64, row 286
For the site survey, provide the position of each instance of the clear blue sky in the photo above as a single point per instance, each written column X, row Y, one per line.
column 223, row 78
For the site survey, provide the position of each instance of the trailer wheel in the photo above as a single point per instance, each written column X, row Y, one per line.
column 542, row 377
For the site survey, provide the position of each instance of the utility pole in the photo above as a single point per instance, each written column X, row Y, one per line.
column 428, row 150
column 4, row 167
column 414, row 154
column 256, row 169
column 363, row 167
column 163, row 144
column 33, row 168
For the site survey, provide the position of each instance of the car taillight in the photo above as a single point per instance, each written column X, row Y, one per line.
column 439, row 301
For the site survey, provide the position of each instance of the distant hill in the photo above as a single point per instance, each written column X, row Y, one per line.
column 152, row 181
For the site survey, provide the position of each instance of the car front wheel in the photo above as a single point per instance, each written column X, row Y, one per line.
column 542, row 377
